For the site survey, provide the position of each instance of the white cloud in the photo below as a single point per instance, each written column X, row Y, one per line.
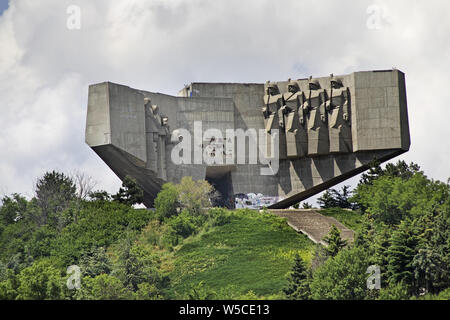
column 45, row 69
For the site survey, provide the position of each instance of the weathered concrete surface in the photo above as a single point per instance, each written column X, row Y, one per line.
column 331, row 128
column 311, row 223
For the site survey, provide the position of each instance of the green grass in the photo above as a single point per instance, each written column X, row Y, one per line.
column 254, row 252
column 350, row 219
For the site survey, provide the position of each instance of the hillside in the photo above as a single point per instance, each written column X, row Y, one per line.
column 183, row 251
column 253, row 251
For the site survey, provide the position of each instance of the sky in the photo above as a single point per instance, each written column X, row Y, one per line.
column 49, row 57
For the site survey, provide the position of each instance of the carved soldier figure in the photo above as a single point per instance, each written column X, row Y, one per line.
column 157, row 134
column 318, row 141
column 294, row 120
column 273, row 117
column 151, row 126
column 338, row 109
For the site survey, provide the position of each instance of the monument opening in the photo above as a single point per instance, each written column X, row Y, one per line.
column 220, row 178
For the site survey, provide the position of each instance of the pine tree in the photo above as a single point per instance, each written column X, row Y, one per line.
column 298, row 287
column 130, row 193
column 400, row 255
column 334, row 241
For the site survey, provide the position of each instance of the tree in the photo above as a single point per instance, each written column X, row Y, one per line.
column 40, row 281
column 130, row 193
column 100, row 195
column 334, row 241
column 84, row 183
column 396, row 291
column 327, row 200
column 343, row 277
column 298, row 287
column 401, row 253
column 13, row 209
column 166, row 202
column 401, row 169
column 103, row 287
column 333, row 198
column 391, row 199
column 54, row 193
column 306, row 205
column 194, row 195
column 137, row 265
column 95, row 262
column 432, row 261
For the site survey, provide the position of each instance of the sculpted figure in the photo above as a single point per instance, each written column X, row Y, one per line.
column 294, row 119
column 318, row 141
column 338, row 109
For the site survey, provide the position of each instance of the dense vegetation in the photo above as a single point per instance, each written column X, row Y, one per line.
column 184, row 251
column 403, row 227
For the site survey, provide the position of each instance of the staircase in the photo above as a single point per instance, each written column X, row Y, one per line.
column 311, row 223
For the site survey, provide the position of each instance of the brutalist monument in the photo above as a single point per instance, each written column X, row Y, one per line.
column 286, row 140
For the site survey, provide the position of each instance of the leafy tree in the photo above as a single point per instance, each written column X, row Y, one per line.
column 166, row 202
column 194, row 195
column 401, row 169
column 13, row 209
column 103, row 287
column 298, row 287
column 342, row 277
column 130, row 193
column 184, row 224
column 54, row 193
column 100, row 224
column 8, row 284
column 334, row 241
column 391, row 199
column 41, row 241
column 396, row 291
column 40, row 281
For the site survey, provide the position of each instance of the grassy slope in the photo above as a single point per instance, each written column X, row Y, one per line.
column 350, row 219
column 253, row 251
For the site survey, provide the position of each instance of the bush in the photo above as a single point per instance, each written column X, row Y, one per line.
column 40, row 281
column 219, row 216
column 184, row 224
column 103, row 287
column 397, row 291
column 166, row 202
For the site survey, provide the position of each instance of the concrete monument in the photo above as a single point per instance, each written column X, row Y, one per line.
column 326, row 130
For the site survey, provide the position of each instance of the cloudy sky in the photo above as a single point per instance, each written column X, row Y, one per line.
column 46, row 65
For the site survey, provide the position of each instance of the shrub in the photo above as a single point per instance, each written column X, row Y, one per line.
column 219, row 216
column 166, row 202
column 184, row 224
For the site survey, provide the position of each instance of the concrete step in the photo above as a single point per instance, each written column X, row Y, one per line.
column 313, row 224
